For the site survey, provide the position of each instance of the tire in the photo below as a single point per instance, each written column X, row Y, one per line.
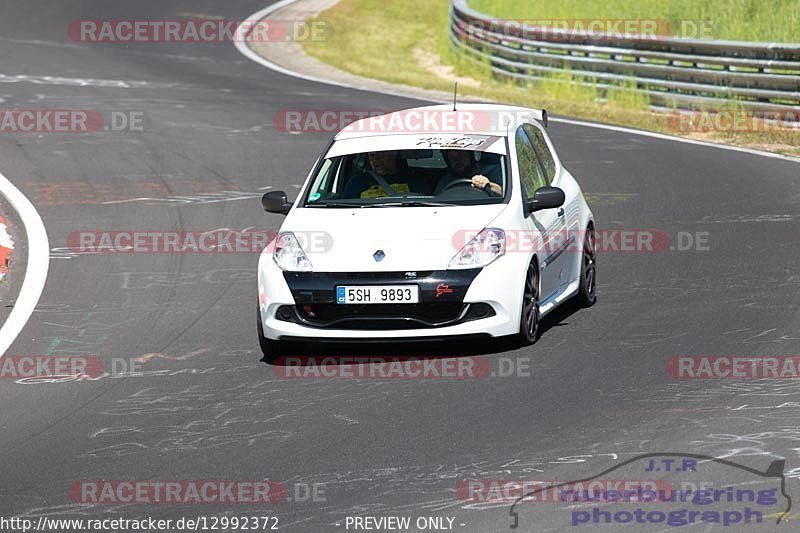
column 529, row 315
column 271, row 349
column 587, row 295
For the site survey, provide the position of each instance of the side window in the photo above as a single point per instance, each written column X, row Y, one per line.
column 531, row 175
column 543, row 151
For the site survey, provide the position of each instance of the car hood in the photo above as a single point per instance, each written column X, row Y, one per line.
column 411, row 238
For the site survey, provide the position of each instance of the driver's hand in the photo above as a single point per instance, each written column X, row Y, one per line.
column 479, row 181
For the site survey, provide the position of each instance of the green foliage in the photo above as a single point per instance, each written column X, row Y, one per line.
column 743, row 20
column 384, row 40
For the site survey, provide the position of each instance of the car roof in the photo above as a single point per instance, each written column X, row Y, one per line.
column 484, row 119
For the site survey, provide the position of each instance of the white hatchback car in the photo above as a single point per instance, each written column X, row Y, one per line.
column 428, row 234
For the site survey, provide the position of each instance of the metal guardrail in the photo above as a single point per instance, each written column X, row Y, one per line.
column 764, row 78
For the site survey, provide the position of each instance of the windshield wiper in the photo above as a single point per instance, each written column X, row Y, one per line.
column 411, row 203
column 395, row 202
column 336, row 204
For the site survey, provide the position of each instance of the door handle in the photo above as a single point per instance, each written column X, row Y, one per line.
column 561, row 212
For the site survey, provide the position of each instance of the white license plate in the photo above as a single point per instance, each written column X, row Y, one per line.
column 377, row 294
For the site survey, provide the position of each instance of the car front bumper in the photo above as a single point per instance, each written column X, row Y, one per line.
column 452, row 303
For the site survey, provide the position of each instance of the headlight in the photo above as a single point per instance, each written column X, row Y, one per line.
column 484, row 248
column 288, row 254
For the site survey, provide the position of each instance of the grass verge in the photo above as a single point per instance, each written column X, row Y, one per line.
column 736, row 20
column 407, row 43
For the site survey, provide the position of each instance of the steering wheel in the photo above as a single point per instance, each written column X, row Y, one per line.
column 455, row 183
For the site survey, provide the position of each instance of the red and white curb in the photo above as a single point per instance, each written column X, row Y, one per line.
column 6, row 245
column 38, row 263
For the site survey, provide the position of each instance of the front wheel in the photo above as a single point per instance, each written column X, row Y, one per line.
column 529, row 316
column 586, row 291
column 270, row 348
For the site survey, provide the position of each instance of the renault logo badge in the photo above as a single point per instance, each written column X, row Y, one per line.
column 378, row 256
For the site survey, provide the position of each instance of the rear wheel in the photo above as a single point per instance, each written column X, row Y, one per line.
column 586, row 291
column 529, row 316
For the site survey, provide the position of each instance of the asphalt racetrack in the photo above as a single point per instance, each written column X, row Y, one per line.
column 199, row 404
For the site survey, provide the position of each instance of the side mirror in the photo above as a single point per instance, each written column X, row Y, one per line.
column 276, row 202
column 546, row 198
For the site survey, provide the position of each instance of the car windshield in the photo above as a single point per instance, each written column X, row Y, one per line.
column 414, row 177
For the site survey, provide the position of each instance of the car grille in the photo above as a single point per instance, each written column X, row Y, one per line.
column 364, row 276
column 384, row 316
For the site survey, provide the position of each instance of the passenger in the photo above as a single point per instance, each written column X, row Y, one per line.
column 371, row 184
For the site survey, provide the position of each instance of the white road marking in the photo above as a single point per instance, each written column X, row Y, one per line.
column 83, row 82
column 37, row 267
column 200, row 199
column 241, row 44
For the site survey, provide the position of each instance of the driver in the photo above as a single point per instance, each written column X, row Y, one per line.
column 462, row 166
